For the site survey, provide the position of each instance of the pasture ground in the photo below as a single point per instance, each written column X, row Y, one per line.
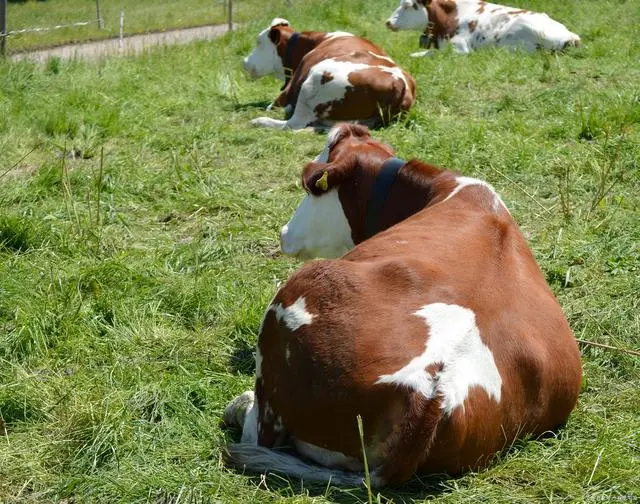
column 139, row 249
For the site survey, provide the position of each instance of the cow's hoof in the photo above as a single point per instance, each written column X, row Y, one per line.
column 421, row 54
column 236, row 410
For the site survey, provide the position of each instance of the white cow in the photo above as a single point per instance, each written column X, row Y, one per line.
column 469, row 24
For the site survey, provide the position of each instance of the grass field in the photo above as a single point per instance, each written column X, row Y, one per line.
column 139, row 219
column 139, row 16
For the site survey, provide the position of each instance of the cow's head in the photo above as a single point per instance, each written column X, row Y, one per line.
column 264, row 59
column 330, row 218
column 411, row 15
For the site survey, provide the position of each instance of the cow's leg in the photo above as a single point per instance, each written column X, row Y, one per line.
column 242, row 413
column 303, row 113
column 460, row 45
column 302, row 117
column 280, row 101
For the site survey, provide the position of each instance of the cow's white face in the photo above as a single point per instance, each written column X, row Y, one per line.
column 319, row 228
column 264, row 59
column 411, row 15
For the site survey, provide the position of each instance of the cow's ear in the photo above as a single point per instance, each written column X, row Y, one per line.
column 317, row 178
column 274, row 35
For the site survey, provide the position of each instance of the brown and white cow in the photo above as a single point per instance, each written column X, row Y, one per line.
column 329, row 77
column 438, row 328
column 469, row 24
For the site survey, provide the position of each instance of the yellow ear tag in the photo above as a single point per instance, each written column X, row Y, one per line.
column 322, row 182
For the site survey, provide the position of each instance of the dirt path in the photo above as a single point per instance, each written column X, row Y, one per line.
column 134, row 44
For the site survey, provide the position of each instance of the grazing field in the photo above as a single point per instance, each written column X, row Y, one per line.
column 139, row 221
column 139, row 16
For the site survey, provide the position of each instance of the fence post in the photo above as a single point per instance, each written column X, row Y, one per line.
column 121, row 41
column 100, row 22
column 3, row 27
column 230, row 15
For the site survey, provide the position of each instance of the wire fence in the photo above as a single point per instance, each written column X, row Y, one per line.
column 5, row 33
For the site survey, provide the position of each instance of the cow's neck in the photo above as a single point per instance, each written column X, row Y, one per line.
column 295, row 48
column 416, row 186
column 443, row 20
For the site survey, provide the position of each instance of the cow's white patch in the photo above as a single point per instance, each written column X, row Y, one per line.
column 470, row 181
column 250, row 427
column 278, row 21
column 278, row 426
column 332, row 137
column 319, row 228
column 410, row 15
column 295, row 315
column 287, row 353
column 328, row 458
column 454, row 342
column 386, row 58
column 336, row 34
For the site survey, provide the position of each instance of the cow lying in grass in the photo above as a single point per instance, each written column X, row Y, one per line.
column 329, row 77
column 437, row 328
column 469, row 24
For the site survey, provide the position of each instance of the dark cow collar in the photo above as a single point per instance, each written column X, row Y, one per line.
column 381, row 187
column 288, row 58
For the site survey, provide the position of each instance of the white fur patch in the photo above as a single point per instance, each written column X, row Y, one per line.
column 469, row 181
column 250, row 427
column 454, row 342
column 278, row 21
column 336, row 34
column 319, row 228
column 323, row 157
column 379, row 56
column 295, row 315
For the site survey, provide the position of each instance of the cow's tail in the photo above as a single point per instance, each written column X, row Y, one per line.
column 409, row 93
column 259, row 459
column 400, row 98
column 412, row 439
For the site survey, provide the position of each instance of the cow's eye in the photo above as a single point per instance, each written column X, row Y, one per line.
column 415, row 6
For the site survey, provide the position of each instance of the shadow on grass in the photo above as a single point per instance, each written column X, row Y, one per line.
column 243, row 360
column 260, row 105
column 416, row 489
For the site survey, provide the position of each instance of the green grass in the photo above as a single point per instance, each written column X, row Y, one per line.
column 140, row 16
column 132, row 288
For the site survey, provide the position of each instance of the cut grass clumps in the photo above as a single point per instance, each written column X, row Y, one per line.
column 139, row 247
